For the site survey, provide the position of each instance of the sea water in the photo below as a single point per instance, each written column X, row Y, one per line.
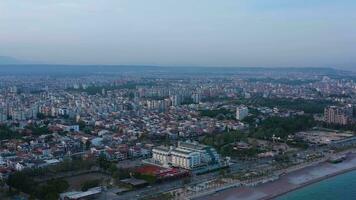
column 341, row 187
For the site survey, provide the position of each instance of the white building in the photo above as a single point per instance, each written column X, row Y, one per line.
column 176, row 100
column 63, row 111
column 185, row 158
column 187, row 155
column 196, row 97
column 162, row 155
column 19, row 167
column 241, row 112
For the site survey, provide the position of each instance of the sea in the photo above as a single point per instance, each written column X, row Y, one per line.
column 341, row 187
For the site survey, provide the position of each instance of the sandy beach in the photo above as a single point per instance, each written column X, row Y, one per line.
column 289, row 182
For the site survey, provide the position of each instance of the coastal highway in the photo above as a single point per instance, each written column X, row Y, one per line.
column 167, row 186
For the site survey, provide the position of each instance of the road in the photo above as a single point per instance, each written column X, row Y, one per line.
column 238, row 165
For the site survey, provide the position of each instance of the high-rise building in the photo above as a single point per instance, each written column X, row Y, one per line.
column 338, row 115
column 176, row 100
column 241, row 112
column 196, row 97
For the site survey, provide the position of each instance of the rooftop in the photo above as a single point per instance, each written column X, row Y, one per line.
column 133, row 181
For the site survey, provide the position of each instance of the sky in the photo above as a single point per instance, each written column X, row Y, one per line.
column 244, row 33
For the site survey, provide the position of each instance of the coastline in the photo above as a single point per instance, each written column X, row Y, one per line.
column 288, row 183
column 310, row 183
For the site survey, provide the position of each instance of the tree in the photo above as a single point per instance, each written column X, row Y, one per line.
column 6, row 133
column 87, row 130
column 103, row 162
column 22, row 182
column 52, row 189
column 81, row 124
column 121, row 174
column 87, row 144
column 38, row 130
column 282, row 127
column 147, row 177
column 112, row 169
column 222, row 172
column 90, row 184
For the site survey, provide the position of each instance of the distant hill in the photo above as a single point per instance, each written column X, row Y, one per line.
column 32, row 69
column 5, row 60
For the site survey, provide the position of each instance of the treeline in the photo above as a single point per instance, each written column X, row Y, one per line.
column 348, row 127
column 277, row 126
column 282, row 127
column 23, row 182
column 228, row 150
column 112, row 169
column 284, row 81
column 90, row 184
column 221, row 113
column 219, row 140
column 6, row 133
column 308, row 106
column 223, row 143
column 38, row 130
column 31, row 181
column 68, row 165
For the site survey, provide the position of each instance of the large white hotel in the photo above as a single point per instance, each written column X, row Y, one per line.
column 187, row 155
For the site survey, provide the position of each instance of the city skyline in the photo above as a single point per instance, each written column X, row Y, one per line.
column 109, row 132
column 177, row 99
column 167, row 33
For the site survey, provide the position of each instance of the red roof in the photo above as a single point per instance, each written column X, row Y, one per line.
column 159, row 171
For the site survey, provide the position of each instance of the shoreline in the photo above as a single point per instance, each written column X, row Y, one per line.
column 289, row 182
column 311, row 182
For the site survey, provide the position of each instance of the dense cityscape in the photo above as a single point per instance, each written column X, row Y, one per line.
column 112, row 132
column 177, row 100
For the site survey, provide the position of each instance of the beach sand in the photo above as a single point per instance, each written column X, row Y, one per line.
column 288, row 182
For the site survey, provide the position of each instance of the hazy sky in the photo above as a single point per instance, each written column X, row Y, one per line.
column 181, row 32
